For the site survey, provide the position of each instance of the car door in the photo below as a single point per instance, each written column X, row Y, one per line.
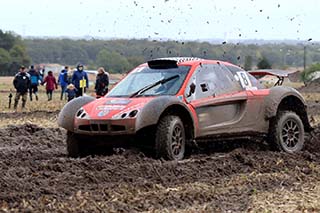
column 218, row 99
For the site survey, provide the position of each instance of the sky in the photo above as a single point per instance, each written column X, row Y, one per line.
column 164, row 19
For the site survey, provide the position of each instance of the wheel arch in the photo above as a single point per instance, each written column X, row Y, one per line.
column 287, row 99
column 185, row 117
column 151, row 113
column 67, row 113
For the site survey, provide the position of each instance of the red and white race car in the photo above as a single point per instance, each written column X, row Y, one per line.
column 168, row 103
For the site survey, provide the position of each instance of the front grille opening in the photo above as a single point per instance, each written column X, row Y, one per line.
column 95, row 127
column 85, row 127
column 116, row 128
column 104, row 127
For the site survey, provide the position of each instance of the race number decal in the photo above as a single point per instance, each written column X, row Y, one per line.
column 244, row 80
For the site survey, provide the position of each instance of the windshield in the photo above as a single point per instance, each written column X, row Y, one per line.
column 144, row 77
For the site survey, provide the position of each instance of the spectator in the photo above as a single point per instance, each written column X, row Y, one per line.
column 102, row 83
column 34, row 78
column 80, row 80
column 21, row 83
column 51, row 84
column 41, row 73
column 71, row 92
column 63, row 81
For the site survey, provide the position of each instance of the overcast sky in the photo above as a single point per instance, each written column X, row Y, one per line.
column 173, row 19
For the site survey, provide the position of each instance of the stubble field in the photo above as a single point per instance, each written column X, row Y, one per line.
column 37, row 176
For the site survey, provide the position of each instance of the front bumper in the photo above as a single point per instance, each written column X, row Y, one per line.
column 105, row 127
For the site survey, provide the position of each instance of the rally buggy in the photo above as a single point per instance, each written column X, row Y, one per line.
column 169, row 103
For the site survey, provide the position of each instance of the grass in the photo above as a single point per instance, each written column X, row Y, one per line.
column 6, row 83
column 42, row 105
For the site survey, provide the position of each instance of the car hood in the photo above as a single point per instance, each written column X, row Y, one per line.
column 114, row 108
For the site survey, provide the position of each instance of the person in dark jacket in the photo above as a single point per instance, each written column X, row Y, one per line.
column 51, row 84
column 102, row 83
column 80, row 80
column 63, row 81
column 21, row 83
column 34, row 78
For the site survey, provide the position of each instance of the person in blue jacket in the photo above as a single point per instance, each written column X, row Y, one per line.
column 80, row 80
column 35, row 79
column 63, row 81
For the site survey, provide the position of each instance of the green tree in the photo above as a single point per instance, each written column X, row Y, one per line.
column 112, row 61
column 12, row 53
column 73, row 55
column 248, row 62
column 19, row 55
column 264, row 63
column 5, row 61
column 135, row 61
column 7, row 40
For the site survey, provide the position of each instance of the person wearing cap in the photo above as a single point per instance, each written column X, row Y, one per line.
column 35, row 79
column 80, row 80
column 21, row 83
column 63, row 81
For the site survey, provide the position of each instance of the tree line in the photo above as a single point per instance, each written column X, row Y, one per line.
column 120, row 55
column 13, row 53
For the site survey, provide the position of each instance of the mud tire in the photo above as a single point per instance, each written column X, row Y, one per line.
column 170, row 138
column 286, row 132
column 73, row 145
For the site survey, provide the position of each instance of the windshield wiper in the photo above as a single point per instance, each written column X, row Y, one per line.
column 150, row 86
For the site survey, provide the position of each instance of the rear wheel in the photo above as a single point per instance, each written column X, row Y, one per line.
column 287, row 132
column 170, row 138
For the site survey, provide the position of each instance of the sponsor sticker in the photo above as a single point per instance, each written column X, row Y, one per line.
column 110, row 107
column 103, row 113
column 119, row 101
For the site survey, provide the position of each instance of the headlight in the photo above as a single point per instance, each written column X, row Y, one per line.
column 127, row 114
column 133, row 113
column 82, row 114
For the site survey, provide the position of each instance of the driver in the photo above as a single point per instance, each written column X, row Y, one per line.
column 166, row 87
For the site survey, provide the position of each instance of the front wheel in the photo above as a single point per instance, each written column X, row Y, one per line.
column 170, row 138
column 287, row 132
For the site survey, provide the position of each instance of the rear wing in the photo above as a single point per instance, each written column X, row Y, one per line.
column 280, row 74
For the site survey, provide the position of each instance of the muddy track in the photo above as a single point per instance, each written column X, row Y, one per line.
column 38, row 176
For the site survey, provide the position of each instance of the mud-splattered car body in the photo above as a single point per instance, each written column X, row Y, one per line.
column 202, row 99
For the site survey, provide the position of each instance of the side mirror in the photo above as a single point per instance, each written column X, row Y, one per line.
column 192, row 89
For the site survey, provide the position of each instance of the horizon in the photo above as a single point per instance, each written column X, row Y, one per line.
column 209, row 40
